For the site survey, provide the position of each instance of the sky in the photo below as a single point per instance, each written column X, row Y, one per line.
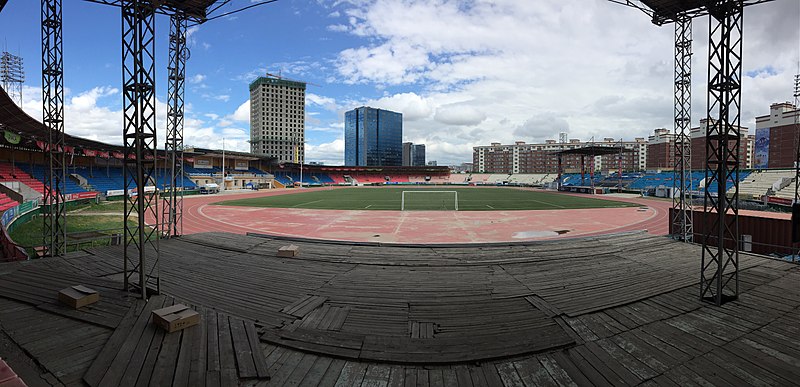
column 463, row 73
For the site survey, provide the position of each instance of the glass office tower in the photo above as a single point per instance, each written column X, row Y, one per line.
column 373, row 137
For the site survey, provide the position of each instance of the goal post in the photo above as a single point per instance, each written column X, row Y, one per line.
column 431, row 201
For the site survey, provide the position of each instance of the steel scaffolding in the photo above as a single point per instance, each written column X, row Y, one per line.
column 719, row 277
column 139, row 132
column 178, row 54
column 682, row 227
column 54, row 232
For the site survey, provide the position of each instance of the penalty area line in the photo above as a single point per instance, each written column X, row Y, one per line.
column 303, row 204
column 489, row 206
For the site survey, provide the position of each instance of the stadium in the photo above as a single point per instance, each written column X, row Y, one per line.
column 135, row 265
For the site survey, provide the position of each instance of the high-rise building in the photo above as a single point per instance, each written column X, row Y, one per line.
column 776, row 137
column 542, row 158
column 373, row 137
column 413, row 155
column 277, row 119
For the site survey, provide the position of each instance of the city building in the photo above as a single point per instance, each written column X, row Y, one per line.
column 542, row 157
column 661, row 150
column 776, row 137
column 373, row 137
column 413, row 155
column 277, row 118
column 698, row 137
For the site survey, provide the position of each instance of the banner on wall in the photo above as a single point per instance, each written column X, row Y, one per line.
column 89, row 152
column 117, row 155
column 761, row 149
column 202, row 163
column 241, row 165
column 102, row 154
column 11, row 137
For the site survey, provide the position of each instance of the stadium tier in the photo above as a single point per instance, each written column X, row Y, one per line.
column 39, row 171
column 9, row 172
column 6, row 202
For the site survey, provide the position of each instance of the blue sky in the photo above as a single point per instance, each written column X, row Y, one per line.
column 463, row 73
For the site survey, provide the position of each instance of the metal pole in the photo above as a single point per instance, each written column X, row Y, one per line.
column 55, row 227
column 139, row 133
column 178, row 55
column 719, row 278
column 682, row 223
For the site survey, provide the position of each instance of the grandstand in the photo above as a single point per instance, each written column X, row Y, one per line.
column 763, row 182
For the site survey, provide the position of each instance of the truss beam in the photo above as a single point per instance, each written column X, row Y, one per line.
column 54, row 232
column 682, row 225
column 141, row 237
column 720, row 258
column 178, row 54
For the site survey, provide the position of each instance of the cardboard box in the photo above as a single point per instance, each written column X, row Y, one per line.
column 176, row 317
column 288, row 251
column 78, row 296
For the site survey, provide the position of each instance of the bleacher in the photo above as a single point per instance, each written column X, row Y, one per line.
column 10, row 172
column 758, row 183
column 529, row 178
column 574, row 179
column 192, row 171
column 39, row 171
column 6, row 202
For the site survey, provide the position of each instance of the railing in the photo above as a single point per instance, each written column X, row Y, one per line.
column 11, row 250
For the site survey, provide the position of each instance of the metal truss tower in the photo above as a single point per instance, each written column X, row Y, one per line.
column 12, row 75
column 139, row 132
column 682, row 225
column 54, row 230
column 796, row 95
column 178, row 54
column 719, row 277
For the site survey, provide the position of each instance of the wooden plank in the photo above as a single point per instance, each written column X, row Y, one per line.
column 300, row 371
column 183, row 367
column 227, row 357
column 352, row 374
column 314, row 375
column 533, row 373
column 126, row 349
column 377, row 375
column 332, row 373
column 259, row 361
column 199, row 351
column 241, row 348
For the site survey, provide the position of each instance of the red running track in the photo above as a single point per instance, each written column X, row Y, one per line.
column 421, row 226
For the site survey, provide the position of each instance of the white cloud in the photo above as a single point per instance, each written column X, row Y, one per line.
column 197, row 79
column 242, row 113
column 459, row 114
column 330, row 153
column 504, row 70
column 413, row 106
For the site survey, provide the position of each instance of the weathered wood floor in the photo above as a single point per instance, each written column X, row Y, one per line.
column 613, row 310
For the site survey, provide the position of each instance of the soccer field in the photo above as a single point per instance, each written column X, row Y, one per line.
column 424, row 199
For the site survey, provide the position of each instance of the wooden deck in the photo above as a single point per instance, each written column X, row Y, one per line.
column 612, row 310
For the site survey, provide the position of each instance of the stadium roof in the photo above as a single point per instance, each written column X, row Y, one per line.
column 194, row 9
column 16, row 120
column 594, row 150
column 668, row 11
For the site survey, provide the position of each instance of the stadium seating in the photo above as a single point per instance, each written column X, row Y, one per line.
column 192, row 171
column 39, row 172
column 10, row 172
column 6, row 202
column 758, row 183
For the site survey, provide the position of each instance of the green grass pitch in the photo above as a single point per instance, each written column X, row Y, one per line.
column 384, row 198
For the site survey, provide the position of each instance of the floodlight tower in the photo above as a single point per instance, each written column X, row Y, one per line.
column 719, row 275
column 12, row 75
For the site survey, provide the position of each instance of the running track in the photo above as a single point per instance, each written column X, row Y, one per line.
column 200, row 215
